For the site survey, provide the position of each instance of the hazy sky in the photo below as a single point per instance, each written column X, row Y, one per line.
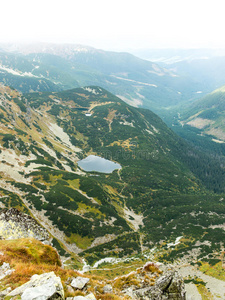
column 117, row 24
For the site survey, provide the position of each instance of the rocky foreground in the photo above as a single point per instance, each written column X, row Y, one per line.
column 148, row 282
column 30, row 269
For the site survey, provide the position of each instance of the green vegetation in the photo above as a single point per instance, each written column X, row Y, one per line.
column 173, row 188
column 123, row 246
column 20, row 104
column 10, row 199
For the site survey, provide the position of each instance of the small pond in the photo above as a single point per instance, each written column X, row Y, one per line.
column 98, row 164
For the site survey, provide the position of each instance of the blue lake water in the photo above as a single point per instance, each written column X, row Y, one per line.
column 98, row 164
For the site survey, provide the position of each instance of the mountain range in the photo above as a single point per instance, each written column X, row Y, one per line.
column 51, row 67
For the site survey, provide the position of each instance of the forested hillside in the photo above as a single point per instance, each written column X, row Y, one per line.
column 157, row 195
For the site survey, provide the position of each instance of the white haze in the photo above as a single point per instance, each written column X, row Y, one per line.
column 115, row 25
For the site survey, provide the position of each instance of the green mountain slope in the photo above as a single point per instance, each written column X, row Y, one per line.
column 201, row 124
column 19, row 72
column 207, row 114
column 153, row 199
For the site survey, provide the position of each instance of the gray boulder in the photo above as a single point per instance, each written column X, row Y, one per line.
column 79, row 282
column 90, row 296
column 107, row 289
column 41, row 287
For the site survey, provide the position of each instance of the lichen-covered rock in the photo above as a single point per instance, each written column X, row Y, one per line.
column 152, row 293
column 107, row 289
column 15, row 224
column 40, row 287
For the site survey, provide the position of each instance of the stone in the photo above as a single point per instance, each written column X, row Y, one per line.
column 42, row 292
column 40, row 287
column 70, row 289
column 107, row 289
column 79, row 282
column 5, row 270
column 5, row 292
column 90, row 296
column 153, row 293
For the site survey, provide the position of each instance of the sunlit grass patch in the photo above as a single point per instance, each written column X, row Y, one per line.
column 81, row 242
column 75, row 183
column 216, row 270
column 204, row 292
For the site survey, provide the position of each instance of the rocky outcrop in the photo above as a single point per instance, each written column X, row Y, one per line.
column 15, row 224
column 169, row 286
column 152, row 283
column 149, row 282
column 40, row 287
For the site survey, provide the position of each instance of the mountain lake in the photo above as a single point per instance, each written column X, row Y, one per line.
column 93, row 163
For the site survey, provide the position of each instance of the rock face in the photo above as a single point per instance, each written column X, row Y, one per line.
column 14, row 224
column 41, row 287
